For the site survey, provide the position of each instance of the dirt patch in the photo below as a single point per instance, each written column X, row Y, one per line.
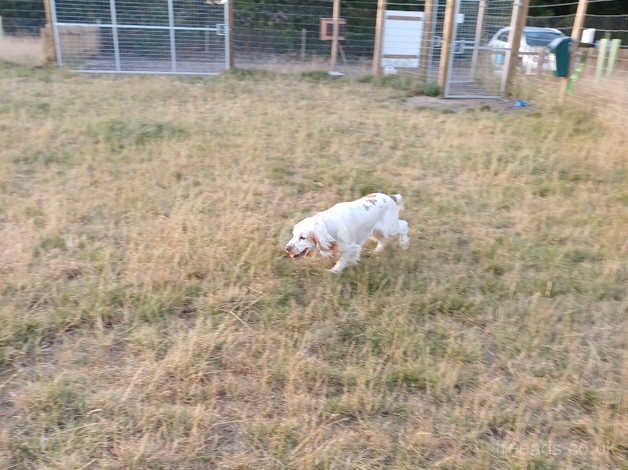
column 458, row 105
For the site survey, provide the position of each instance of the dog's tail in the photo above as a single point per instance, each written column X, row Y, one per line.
column 398, row 198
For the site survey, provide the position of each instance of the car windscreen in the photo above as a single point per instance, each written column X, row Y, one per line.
column 540, row 38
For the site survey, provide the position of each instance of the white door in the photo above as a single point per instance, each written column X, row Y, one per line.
column 403, row 31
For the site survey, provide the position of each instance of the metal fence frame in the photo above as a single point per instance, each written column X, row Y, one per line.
column 273, row 35
column 461, row 82
column 223, row 30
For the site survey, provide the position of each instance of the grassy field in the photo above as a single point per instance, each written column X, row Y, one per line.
column 149, row 318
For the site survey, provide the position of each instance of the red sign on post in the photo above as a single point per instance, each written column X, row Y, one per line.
column 327, row 29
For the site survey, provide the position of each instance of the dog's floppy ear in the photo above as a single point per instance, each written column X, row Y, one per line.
column 321, row 237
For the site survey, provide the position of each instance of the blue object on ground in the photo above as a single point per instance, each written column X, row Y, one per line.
column 521, row 104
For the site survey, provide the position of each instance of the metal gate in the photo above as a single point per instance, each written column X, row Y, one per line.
column 475, row 65
column 142, row 36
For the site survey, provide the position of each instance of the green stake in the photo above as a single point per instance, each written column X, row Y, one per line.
column 601, row 57
column 612, row 56
column 578, row 69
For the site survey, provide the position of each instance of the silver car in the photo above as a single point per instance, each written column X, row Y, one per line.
column 533, row 39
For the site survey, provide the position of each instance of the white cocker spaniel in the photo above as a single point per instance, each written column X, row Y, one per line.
column 341, row 231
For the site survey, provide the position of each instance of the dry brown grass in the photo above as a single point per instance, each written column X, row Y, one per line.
column 149, row 318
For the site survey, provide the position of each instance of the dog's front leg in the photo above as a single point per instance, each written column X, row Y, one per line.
column 339, row 266
column 350, row 255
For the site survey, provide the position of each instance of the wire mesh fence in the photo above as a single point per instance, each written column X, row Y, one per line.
column 599, row 72
column 21, row 23
column 613, row 26
column 192, row 36
column 283, row 35
column 19, row 18
column 477, row 63
column 291, row 35
column 126, row 36
column 599, row 65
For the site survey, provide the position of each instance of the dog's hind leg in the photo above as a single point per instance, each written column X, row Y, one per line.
column 404, row 240
column 380, row 238
column 396, row 229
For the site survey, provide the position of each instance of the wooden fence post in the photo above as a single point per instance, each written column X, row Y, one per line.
column 230, row 48
column 448, row 32
column 48, row 36
column 578, row 21
column 576, row 32
column 336, row 34
column 517, row 23
column 379, row 38
column 479, row 25
column 428, row 13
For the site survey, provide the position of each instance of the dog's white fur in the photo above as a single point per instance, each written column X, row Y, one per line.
column 341, row 231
